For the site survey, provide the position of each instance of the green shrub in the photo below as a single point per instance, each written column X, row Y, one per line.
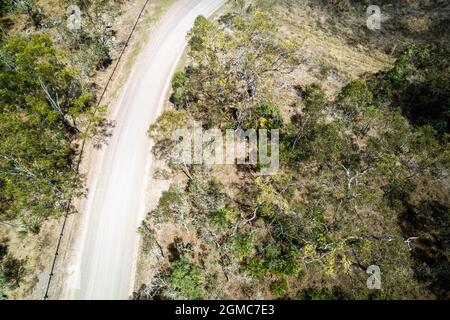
column 279, row 287
column 328, row 143
column 314, row 98
column 419, row 84
column 325, row 294
column 185, row 279
column 13, row 271
column 180, row 87
column 224, row 217
column 242, row 245
column 274, row 260
column 172, row 201
column 266, row 116
column 353, row 97
column 6, row 6
column 101, row 54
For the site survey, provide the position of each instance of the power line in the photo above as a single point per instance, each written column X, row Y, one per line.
column 67, row 211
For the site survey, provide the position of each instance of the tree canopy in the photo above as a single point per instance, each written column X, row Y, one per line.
column 42, row 109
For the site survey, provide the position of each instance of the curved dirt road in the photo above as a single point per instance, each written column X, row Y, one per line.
column 115, row 205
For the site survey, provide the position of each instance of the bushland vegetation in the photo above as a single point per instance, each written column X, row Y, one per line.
column 363, row 178
column 48, row 105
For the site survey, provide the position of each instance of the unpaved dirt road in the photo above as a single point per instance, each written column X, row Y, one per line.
column 107, row 242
